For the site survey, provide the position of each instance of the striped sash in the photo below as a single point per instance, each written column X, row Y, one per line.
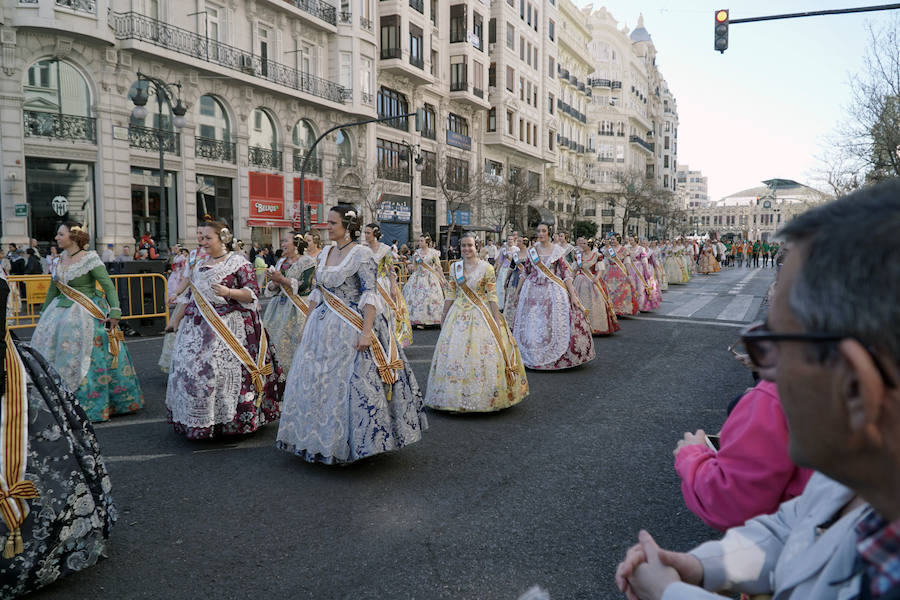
column 511, row 369
column 597, row 286
column 299, row 302
column 387, row 363
column 387, row 298
column 113, row 334
column 431, row 270
column 14, row 489
column 258, row 369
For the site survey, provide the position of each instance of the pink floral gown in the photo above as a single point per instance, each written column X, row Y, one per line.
column 618, row 282
column 551, row 334
column 602, row 316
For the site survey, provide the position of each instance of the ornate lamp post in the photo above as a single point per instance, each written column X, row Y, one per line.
column 164, row 94
column 409, row 157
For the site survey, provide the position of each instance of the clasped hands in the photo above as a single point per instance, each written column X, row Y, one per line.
column 648, row 570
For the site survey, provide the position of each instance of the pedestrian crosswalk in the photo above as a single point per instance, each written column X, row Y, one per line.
column 732, row 295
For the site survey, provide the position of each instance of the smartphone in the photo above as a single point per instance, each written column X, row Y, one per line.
column 713, row 442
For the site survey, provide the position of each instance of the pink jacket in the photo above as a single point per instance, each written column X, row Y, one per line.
column 752, row 473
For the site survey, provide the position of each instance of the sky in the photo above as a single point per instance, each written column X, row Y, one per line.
column 765, row 107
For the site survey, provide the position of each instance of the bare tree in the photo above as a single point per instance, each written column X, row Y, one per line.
column 506, row 200
column 871, row 134
column 460, row 190
column 838, row 171
column 633, row 193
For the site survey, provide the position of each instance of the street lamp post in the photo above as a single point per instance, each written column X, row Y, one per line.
column 164, row 95
column 409, row 158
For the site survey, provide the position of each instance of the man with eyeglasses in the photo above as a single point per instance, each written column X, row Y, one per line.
column 832, row 345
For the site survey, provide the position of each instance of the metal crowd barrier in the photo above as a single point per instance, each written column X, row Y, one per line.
column 141, row 296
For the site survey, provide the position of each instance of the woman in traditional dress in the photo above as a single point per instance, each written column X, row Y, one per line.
column 511, row 283
column 424, row 291
column 476, row 365
column 674, row 266
column 313, row 244
column 591, row 290
column 290, row 282
column 618, row 278
column 180, row 265
column 504, row 261
column 78, row 332
column 656, row 258
column 551, row 329
column 223, row 379
column 387, row 285
column 707, row 261
column 350, row 393
column 649, row 296
column 59, row 520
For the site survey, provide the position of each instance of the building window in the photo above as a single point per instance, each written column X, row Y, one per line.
column 416, row 49
column 522, row 48
column 428, row 128
column 551, row 141
column 392, row 103
column 510, row 36
column 550, row 103
column 551, row 73
column 478, row 29
column 492, row 31
column 492, row 75
column 458, row 81
column 510, row 119
column 510, row 79
column 390, row 36
column 535, row 19
column 434, row 11
column 492, row 120
column 551, row 30
column 457, row 23
column 457, row 124
column 457, row 174
column 492, row 167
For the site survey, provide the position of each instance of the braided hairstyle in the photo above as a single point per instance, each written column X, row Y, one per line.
column 350, row 219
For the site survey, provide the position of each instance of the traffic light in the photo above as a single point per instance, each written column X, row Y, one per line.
column 721, row 31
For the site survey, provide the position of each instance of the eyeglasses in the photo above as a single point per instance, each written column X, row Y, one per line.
column 761, row 346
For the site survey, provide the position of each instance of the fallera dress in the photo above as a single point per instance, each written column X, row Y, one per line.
column 65, row 529
column 77, row 344
column 511, row 297
column 675, row 270
column 337, row 407
column 424, row 291
column 595, row 296
column 618, row 282
column 283, row 320
column 468, row 369
column 707, row 263
column 655, row 256
column 643, row 280
column 503, row 263
column 402, row 327
column 210, row 392
column 551, row 333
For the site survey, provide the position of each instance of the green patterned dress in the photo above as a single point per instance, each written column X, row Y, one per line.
column 76, row 345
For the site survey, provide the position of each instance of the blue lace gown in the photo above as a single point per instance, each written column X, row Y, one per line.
column 336, row 407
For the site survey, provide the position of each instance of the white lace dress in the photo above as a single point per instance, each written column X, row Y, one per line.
column 336, row 407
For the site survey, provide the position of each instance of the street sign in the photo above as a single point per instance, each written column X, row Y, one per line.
column 21, row 210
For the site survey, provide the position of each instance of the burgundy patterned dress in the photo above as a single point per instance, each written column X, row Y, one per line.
column 210, row 392
column 551, row 334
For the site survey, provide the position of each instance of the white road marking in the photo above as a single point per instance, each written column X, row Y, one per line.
column 692, row 306
column 117, row 423
column 135, row 458
column 736, row 309
column 689, row 321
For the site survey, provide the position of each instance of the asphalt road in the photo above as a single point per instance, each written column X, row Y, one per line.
column 549, row 492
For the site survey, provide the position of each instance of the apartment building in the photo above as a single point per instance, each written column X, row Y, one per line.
column 692, row 188
column 260, row 81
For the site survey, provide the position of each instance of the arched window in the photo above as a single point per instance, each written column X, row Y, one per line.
column 303, row 137
column 263, row 141
column 213, row 139
column 344, row 149
column 57, row 102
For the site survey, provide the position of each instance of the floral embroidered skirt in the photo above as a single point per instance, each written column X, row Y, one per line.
column 424, row 295
column 69, row 524
column 601, row 316
column 621, row 291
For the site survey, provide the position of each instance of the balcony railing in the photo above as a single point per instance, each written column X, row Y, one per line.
column 564, row 74
column 317, row 8
column 607, row 212
column 393, row 173
column 88, row 6
column 429, row 178
column 218, row 150
column 63, row 127
column 606, row 159
column 148, row 138
column 133, row 26
column 266, row 158
column 313, row 165
column 366, row 24
column 417, row 61
column 345, row 18
column 459, row 86
column 478, row 92
column 429, row 133
column 634, row 139
column 599, row 82
column 389, row 53
column 367, row 98
column 418, row 5
column 617, row 85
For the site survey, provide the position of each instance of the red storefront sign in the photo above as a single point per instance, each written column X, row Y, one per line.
column 267, row 201
column 313, row 199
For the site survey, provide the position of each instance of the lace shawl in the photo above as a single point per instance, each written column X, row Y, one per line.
column 82, row 267
column 335, row 275
column 204, row 279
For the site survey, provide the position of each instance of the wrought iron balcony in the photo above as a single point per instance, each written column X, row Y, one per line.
column 345, row 18
column 64, row 127
column 418, row 5
column 459, row 86
column 607, row 212
column 266, row 158
column 133, row 26
column 617, row 85
column 367, row 98
column 393, row 173
column 88, row 6
column 148, row 138
column 634, row 139
column 580, row 86
column 313, row 165
column 389, row 53
column 317, row 8
column 607, row 133
column 606, row 159
column 417, row 61
column 429, row 133
column 478, row 92
column 344, row 163
column 429, row 178
column 218, row 150
column 366, row 24
column 564, row 74
column 457, row 185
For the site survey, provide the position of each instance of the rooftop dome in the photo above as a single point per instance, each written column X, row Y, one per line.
column 640, row 34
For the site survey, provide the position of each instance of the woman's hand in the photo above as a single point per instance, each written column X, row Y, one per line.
column 697, row 438
column 221, row 290
column 364, row 341
column 111, row 323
